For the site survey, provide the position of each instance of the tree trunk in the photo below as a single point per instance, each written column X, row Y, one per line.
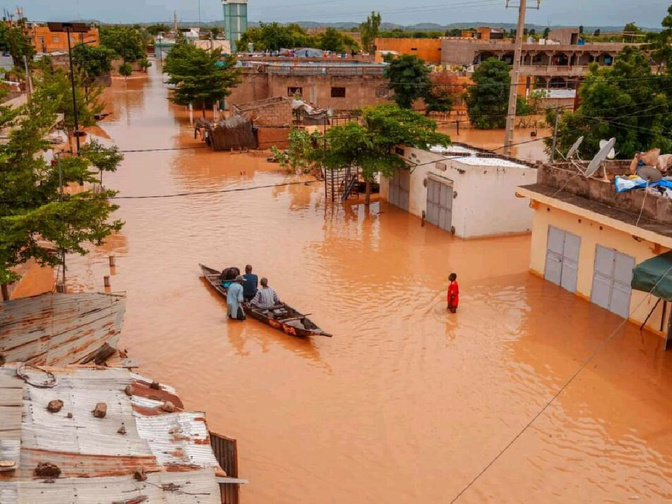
column 5, row 292
column 367, row 193
column 203, row 109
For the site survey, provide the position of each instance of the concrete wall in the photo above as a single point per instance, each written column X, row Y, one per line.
column 592, row 234
column 485, row 203
column 426, row 49
column 361, row 90
column 275, row 111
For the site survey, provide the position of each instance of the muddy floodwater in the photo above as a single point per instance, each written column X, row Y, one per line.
column 406, row 403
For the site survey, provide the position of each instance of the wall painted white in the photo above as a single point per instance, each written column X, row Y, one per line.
column 485, row 203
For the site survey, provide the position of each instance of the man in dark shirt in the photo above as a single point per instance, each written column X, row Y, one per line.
column 251, row 283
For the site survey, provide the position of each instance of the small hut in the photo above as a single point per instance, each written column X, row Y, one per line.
column 233, row 133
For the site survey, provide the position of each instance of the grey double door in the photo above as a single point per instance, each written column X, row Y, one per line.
column 440, row 204
column 400, row 186
column 562, row 258
column 611, row 280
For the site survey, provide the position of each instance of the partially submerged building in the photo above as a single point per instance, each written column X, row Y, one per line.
column 603, row 246
column 447, row 187
column 91, row 435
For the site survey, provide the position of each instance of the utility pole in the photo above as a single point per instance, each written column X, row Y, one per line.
column 515, row 76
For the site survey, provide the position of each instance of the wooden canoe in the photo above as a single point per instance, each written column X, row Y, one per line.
column 283, row 318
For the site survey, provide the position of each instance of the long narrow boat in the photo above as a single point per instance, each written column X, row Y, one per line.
column 282, row 317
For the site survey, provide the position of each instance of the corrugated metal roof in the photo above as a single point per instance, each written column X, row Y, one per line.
column 194, row 487
column 94, row 457
column 59, row 329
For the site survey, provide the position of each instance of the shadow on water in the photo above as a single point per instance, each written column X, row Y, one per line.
column 242, row 340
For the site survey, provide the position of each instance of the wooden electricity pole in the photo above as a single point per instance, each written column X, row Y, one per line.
column 515, row 76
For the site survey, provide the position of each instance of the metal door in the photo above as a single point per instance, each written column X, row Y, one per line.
column 440, row 204
column 400, row 186
column 611, row 280
column 562, row 258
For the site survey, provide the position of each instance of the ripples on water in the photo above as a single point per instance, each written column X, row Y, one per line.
column 406, row 403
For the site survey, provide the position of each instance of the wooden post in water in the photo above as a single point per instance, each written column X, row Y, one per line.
column 60, row 288
column 112, row 261
column 5, row 292
column 106, row 280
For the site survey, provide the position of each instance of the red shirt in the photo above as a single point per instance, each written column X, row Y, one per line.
column 453, row 295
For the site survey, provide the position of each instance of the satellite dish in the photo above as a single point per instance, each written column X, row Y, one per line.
column 612, row 152
column 574, row 149
column 600, row 158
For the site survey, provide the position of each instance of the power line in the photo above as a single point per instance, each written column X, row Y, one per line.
column 214, row 191
column 590, row 359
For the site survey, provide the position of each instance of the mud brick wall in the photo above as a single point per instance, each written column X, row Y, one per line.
column 268, row 137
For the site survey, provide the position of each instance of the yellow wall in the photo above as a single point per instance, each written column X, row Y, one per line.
column 44, row 40
column 592, row 234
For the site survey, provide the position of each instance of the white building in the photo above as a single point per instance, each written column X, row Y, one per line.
column 469, row 193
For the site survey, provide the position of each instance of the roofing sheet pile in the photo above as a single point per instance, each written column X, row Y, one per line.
column 60, row 329
column 85, row 434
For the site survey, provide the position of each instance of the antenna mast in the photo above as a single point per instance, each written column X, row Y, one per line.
column 515, row 75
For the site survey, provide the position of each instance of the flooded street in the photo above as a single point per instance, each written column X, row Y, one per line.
column 406, row 403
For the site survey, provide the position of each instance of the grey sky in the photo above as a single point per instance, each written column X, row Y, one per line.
column 566, row 12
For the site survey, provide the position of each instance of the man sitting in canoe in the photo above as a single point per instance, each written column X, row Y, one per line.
column 234, row 299
column 251, row 284
column 265, row 297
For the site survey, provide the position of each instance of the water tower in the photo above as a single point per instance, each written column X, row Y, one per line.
column 235, row 20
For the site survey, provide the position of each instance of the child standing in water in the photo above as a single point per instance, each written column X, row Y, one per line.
column 453, row 295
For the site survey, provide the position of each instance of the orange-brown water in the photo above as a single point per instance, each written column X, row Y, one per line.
column 406, row 404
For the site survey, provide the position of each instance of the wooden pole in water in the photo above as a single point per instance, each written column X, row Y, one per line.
column 5, row 292
column 106, row 281
column 112, row 261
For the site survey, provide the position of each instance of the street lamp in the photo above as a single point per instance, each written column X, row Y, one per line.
column 69, row 28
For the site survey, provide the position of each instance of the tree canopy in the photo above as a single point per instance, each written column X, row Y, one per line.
column 624, row 101
column 274, row 36
column 370, row 29
column 370, row 144
column 487, row 100
column 31, row 213
column 127, row 42
column 92, row 62
column 410, row 80
column 200, row 76
column 15, row 40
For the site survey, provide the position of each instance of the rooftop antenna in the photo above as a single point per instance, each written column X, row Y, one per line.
column 599, row 159
column 573, row 151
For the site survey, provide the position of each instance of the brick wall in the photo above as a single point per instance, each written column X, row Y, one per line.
column 275, row 111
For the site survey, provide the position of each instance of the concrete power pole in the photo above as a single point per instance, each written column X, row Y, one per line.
column 515, row 76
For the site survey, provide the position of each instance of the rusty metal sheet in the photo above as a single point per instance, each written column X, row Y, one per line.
column 59, row 329
column 178, row 439
column 194, row 487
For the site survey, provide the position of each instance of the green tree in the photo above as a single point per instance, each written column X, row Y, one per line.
column 15, row 40
column 370, row 29
column 487, row 100
column 547, row 32
column 597, row 32
column 55, row 85
column 332, row 40
column 128, row 43
column 155, row 29
column 200, row 76
column 92, row 62
column 370, row 145
column 125, row 69
column 624, row 101
column 581, row 30
column 216, row 31
column 144, row 64
column 662, row 43
column 31, row 212
column 409, row 79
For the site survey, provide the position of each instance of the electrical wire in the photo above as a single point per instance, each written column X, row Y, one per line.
column 581, row 368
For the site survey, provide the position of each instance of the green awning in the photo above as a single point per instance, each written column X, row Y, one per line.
column 647, row 276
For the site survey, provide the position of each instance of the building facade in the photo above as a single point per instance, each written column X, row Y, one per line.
column 588, row 239
column 45, row 41
column 235, row 20
column 448, row 188
column 338, row 86
column 426, row 49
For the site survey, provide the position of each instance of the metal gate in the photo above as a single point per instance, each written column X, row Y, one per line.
column 226, row 453
column 611, row 280
column 440, row 204
column 400, row 186
column 562, row 258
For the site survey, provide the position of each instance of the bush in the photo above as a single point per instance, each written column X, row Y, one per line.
column 126, row 69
